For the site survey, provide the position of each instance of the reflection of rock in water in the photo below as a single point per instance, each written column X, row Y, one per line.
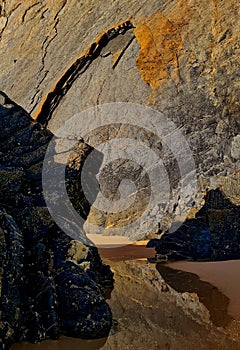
column 65, row 343
column 153, row 315
column 212, row 235
column 148, row 312
column 216, row 302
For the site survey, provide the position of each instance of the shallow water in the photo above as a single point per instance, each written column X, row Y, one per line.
column 128, row 252
column 64, row 343
column 216, row 284
column 225, row 275
column 215, row 301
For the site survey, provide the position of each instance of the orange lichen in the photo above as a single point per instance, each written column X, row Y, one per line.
column 160, row 43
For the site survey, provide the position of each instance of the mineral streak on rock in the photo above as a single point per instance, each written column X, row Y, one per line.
column 50, row 284
column 51, row 101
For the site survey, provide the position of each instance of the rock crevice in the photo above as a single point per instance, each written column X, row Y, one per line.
column 50, row 103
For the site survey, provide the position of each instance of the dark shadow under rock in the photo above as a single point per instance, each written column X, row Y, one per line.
column 212, row 235
column 216, row 302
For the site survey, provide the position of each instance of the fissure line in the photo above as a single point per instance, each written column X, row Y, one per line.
column 60, row 89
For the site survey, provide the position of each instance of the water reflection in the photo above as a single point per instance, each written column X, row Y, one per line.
column 216, row 302
column 65, row 343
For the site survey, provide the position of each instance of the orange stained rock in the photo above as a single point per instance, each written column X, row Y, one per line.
column 160, row 43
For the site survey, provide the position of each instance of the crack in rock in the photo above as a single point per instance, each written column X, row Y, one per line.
column 53, row 98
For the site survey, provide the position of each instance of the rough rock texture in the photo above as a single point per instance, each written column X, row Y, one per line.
column 50, row 283
column 214, row 233
column 181, row 57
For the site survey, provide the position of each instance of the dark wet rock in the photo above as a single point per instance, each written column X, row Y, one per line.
column 214, row 233
column 80, row 298
column 50, row 283
column 12, row 279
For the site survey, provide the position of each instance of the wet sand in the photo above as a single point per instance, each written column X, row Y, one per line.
column 134, row 251
column 225, row 275
column 64, row 343
column 109, row 241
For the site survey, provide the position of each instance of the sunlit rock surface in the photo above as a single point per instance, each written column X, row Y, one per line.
column 180, row 58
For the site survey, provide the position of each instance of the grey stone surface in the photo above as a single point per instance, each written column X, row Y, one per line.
column 179, row 58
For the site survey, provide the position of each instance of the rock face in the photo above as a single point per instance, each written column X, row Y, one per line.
column 50, row 283
column 212, row 235
column 179, row 57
